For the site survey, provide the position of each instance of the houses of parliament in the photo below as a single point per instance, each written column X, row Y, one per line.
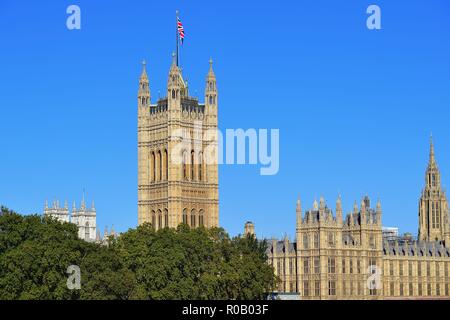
column 337, row 257
column 333, row 256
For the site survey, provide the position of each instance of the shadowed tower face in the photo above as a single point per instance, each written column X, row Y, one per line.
column 433, row 206
column 177, row 154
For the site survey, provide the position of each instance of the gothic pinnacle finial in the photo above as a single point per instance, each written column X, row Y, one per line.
column 83, row 203
column 431, row 149
column 174, row 59
column 144, row 67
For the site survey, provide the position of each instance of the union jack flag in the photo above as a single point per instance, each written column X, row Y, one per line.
column 180, row 30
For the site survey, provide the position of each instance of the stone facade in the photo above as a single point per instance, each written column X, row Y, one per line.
column 84, row 218
column 348, row 258
column 177, row 138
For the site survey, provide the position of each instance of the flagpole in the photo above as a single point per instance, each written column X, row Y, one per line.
column 176, row 33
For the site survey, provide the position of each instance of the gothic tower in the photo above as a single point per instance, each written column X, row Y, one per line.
column 433, row 206
column 177, row 154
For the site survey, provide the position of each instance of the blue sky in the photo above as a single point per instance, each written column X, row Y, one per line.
column 355, row 107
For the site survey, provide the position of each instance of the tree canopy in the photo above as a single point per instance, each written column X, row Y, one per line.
column 142, row 263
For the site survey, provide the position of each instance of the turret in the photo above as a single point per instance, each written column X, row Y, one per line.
column 144, row 90
column 175, row 86
column 363, row 213
column 378, row 212
column 211, row 94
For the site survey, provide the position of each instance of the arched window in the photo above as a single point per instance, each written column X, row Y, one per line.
column 166, row 160
column 159, row 219
column 200, row 169
column 173, row 94
column 330, row 239
column 160, row 164
column 153, row 219
column 305, row 241
column 185, row 216
column 166, row 218
column 193, row 218
column 153, row 164
column 316, row 240
column 192, row 166
column 200, row 218
column 210, row 100
column 86, row 231
column 185, row 165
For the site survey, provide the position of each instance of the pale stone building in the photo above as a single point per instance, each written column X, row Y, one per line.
column 176, row 136
column 347, row 258
column 57, row 212
column 84, row 218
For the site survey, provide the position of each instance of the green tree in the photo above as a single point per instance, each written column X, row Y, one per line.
column 142, row 263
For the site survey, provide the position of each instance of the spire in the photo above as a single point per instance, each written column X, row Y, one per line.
column 93, row 205
column 321, row 203
column 211, row 74
column 315, row 205
column 74, row 206
column 363, row 212
column 339, row 203
column 144, row 70
column 339, row 210
column 144, row 89
column 46, row 204
column 432, row 162
column 299, row 212
column 378, row 206
column 83, row 203
column 299, row 205
column 66, row 205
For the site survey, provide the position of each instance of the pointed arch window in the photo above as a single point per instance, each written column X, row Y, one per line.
column 185, row 165
column 166, row 160
column 153, row 219
column 173, row 94
column 159, row 219
column 193, row 218
column 192, row 165
column 200, row 168
column 210, row 100
column 153, row 164
column 185, row 216
column 305, row 241
column 86, row 231
column 166, row 218
column 201, row 215
column 159, row 171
